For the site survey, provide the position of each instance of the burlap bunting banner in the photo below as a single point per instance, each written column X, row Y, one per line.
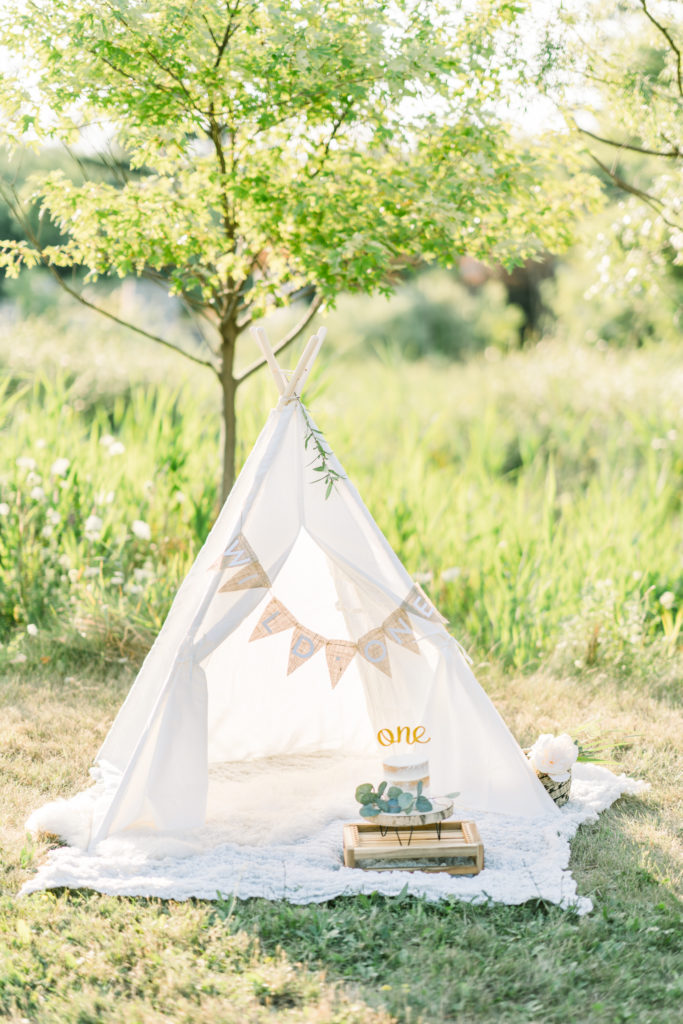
column 248, row 578
column 418, row 603
column 339, row 654
column 275, row 619
column 304, row 645
column 373, row 648
column 240, row 555
column 397, row 627
column 239, row 552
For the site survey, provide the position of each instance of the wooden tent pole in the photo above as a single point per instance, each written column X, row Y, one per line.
column 262, row 338
column 305, row 364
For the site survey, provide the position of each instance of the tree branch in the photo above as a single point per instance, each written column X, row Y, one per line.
column 125, row 323
column 669, row 38
column 674, row 153
column 650, row 200
column 287, row 340
column 335, row 128
column 230, row 30
column 16, row 208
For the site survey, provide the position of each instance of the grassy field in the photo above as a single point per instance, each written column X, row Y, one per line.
column 540, row 494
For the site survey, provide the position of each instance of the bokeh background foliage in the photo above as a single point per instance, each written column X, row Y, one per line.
column 536, row 491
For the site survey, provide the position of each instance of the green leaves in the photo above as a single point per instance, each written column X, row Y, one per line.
column 279, row 147
column 398, row 801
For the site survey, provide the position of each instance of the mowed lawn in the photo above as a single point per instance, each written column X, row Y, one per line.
column 539, row 494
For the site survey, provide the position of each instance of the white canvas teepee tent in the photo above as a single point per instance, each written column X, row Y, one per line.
column 298, row 631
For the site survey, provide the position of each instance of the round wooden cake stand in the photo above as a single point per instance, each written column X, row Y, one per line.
column 440, row 809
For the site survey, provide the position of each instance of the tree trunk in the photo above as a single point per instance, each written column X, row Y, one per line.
column 228, row 331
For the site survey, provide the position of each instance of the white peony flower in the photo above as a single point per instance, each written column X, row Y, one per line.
column 93, row 527
column 141, row 529
column 554, row 755
column 60, row 467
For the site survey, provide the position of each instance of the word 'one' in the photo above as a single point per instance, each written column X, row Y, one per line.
column 403, row 734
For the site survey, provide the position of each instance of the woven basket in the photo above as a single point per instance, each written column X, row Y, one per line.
column 559, row 791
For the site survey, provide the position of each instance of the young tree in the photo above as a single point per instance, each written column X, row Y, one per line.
column 277, row 148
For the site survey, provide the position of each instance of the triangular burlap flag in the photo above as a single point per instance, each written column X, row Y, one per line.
column 275, row 619
column 418, row 603
column 248, row 578
column 339, row 654
column 373, row 647
column 239, row 552
column 397, row 627
column 304, row 645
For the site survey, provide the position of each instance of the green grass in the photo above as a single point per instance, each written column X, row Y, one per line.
column 546, row 485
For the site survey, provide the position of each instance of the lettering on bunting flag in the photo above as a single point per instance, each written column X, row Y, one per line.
column 339, row 654
column 418, row 603
column 240, row 555
column 304, row 645
column 397, row 627
column 373, row 648
column 274, row 619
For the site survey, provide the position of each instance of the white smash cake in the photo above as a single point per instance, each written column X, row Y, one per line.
column 405, row 771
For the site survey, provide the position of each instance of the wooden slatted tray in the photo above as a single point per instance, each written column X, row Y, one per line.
column 452, row 846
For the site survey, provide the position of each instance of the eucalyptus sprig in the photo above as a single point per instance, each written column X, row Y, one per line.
column 397, row 801
column 322, row 455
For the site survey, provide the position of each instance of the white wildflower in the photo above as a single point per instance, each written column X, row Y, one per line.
column 47, row 531
column 448, row 575
column 93, row 527
column 91, row 571
column 26, row 462
column 53, row 516
column 60, row 467
column 4, row 508
column 423, row 577
column 33, row 478
column 554, row 755
column 141, row 529
column 32, row 629
column 179, row 497
column 41, row 443
column 117, row 579
column 117, row 448
column 74, row 575
column 132, row 588
column 107, row 440
column 19, row 659
column 38, row 494
column 667, row 599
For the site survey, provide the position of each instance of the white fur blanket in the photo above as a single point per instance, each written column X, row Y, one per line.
column 297, row 856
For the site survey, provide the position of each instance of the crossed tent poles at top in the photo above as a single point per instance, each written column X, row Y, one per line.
column 290, row 386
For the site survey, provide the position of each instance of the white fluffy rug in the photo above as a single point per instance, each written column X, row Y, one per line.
column 300, row 858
